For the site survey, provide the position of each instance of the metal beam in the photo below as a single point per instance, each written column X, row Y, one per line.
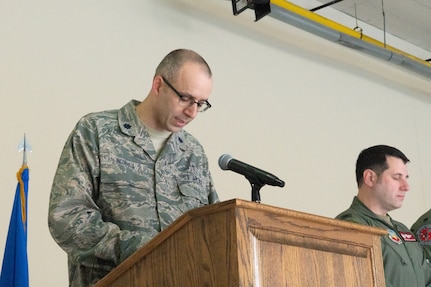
column 330, row 30
column 325, row 5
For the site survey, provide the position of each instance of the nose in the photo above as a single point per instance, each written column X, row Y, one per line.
column 405, row 186
column 191, row 111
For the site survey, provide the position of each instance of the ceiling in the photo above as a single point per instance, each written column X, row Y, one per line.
column 409, row 20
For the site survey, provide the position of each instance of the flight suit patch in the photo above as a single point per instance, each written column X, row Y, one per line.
column 407, row 236
column 424, row 234
column 394, row 236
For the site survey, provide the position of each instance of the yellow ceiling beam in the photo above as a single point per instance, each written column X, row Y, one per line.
column 341, row 28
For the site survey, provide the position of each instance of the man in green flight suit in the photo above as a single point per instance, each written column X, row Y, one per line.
column 381, row 175
column 422, row 229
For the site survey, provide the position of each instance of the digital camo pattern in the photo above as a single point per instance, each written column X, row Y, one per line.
column 110, row 195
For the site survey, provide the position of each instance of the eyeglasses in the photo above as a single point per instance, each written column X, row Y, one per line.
column 188, row 101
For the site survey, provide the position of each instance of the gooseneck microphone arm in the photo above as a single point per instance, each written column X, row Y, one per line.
column 257, row 177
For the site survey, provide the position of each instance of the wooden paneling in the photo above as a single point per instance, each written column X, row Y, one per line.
column 241, row 243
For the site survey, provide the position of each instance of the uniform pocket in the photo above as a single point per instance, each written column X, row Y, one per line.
column 193, row 194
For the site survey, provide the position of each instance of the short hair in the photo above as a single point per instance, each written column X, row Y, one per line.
column 174, row 61
column 374, row 158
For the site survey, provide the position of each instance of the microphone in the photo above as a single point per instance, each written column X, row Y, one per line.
column 250, row 172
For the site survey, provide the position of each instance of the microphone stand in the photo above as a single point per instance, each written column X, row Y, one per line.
column 255, row 190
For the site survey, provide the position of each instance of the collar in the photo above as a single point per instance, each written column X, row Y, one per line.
column 131, row 125
column 359, row 206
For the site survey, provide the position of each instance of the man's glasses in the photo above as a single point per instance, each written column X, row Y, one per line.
column 188, row 101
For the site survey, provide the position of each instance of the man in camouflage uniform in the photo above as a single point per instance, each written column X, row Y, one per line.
column 125, row 175
column 381, row 175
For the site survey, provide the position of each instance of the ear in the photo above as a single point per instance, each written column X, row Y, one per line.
column 370, row 177
column 157, row 83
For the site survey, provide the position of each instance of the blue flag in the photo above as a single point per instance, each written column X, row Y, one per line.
column 14, row 271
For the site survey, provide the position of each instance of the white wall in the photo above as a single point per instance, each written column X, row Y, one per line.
column 284, row 100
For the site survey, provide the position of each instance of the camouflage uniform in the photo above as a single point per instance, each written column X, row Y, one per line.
column 404, row 260
column 111, row 194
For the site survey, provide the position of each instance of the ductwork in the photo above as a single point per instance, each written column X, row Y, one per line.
column 311, row 22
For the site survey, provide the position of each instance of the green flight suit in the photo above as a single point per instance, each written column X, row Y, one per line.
column 404, row 260
column 422, row 230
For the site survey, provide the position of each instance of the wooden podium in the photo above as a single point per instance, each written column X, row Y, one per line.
column 242, row 243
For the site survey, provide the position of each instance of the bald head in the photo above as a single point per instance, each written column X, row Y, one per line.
column 172, row 63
